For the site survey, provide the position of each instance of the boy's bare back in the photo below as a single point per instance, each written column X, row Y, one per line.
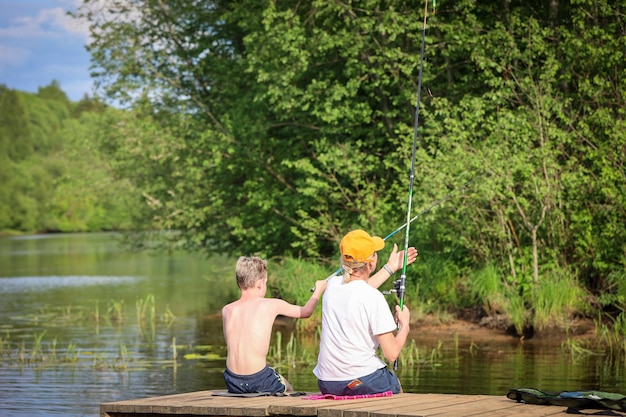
column 247, row 330
column 248, row 321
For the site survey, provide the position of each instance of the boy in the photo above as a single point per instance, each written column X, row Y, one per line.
column 248, row 328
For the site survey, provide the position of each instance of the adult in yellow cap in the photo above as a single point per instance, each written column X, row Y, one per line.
column 356, row 320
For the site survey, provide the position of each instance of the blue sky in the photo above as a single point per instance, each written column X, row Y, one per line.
column 40, row 43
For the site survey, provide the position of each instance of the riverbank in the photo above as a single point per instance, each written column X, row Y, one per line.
column 468, row 327
column 471, row 327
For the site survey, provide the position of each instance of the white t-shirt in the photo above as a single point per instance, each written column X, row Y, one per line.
column 352, row 314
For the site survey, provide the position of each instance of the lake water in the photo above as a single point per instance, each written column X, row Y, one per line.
column 84, row 321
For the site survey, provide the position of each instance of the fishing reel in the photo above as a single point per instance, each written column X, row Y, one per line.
column 398, row 288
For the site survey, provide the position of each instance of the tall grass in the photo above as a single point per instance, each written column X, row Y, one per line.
column 556, row 299
column 410, row 354
column 432, row 282
column 38, row 350
column 611, row 325
column 436, row 288
column 115, row 312
column 486, row 288
column 612, row 338
column 290, row 355
column 515, row 308
column 552, row 303
column 146, row 309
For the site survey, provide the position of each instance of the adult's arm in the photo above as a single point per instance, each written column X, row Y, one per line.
column 391, row 344
column 395, row 263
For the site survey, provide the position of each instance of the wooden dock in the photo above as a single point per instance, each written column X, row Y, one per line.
column 204, row 403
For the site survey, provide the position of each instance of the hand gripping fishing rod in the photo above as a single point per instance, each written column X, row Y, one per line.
column 401, row 286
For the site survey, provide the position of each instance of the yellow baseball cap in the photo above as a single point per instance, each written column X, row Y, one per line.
column 359, row 246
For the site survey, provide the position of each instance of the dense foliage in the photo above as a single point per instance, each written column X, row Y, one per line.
column 273, row 127
column 52, row 178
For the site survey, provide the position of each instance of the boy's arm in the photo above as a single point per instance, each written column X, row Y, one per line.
column 310, row 305
column 294, row 311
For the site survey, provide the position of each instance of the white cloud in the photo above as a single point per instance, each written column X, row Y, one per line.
column 58, row 18
column 40, row 42
column 53, row 22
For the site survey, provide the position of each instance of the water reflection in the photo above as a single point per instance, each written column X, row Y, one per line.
column 25, row 284
column 63, row 353
column 83, row 322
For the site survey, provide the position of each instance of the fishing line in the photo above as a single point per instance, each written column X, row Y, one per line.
column 435, row 204
column 434, row 276
column 418, row 215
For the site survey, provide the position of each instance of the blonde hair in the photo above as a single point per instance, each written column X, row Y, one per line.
column 350, row 268
column 249, row 270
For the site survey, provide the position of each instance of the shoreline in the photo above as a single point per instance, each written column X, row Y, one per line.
column 430, row 328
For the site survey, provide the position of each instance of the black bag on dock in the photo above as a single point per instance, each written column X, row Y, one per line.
column 574, row 399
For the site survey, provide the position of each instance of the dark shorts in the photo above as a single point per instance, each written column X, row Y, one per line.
column 378, row 381
column 266, row 380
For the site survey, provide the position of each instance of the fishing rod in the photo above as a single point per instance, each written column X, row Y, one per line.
column 402, row 281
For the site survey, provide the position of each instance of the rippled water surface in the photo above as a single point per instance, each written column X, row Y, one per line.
column 83, row 322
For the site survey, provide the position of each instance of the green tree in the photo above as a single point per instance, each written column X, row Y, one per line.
column 87, row 195
column 273, row 127
column 15, row 137
column 52, row 175
column 283, row 109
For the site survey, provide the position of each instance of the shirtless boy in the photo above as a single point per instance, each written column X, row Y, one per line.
column 248, row 329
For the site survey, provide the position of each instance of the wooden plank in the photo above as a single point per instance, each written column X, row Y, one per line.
column 231, row 406
column 523, row 410
column 251, row 407
column 410, row 405
column 477, row 407
column 337, row 408
column 147, row 405
column 193, row 408
column 167, row 403
column 397, row 401
column 334, row 408
column 294, row 406
column 504, row 407
column 453, row 403
column 470, row 406
column 237, row 406
column 400, row 405
column 182, row 403
column 487, row 405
